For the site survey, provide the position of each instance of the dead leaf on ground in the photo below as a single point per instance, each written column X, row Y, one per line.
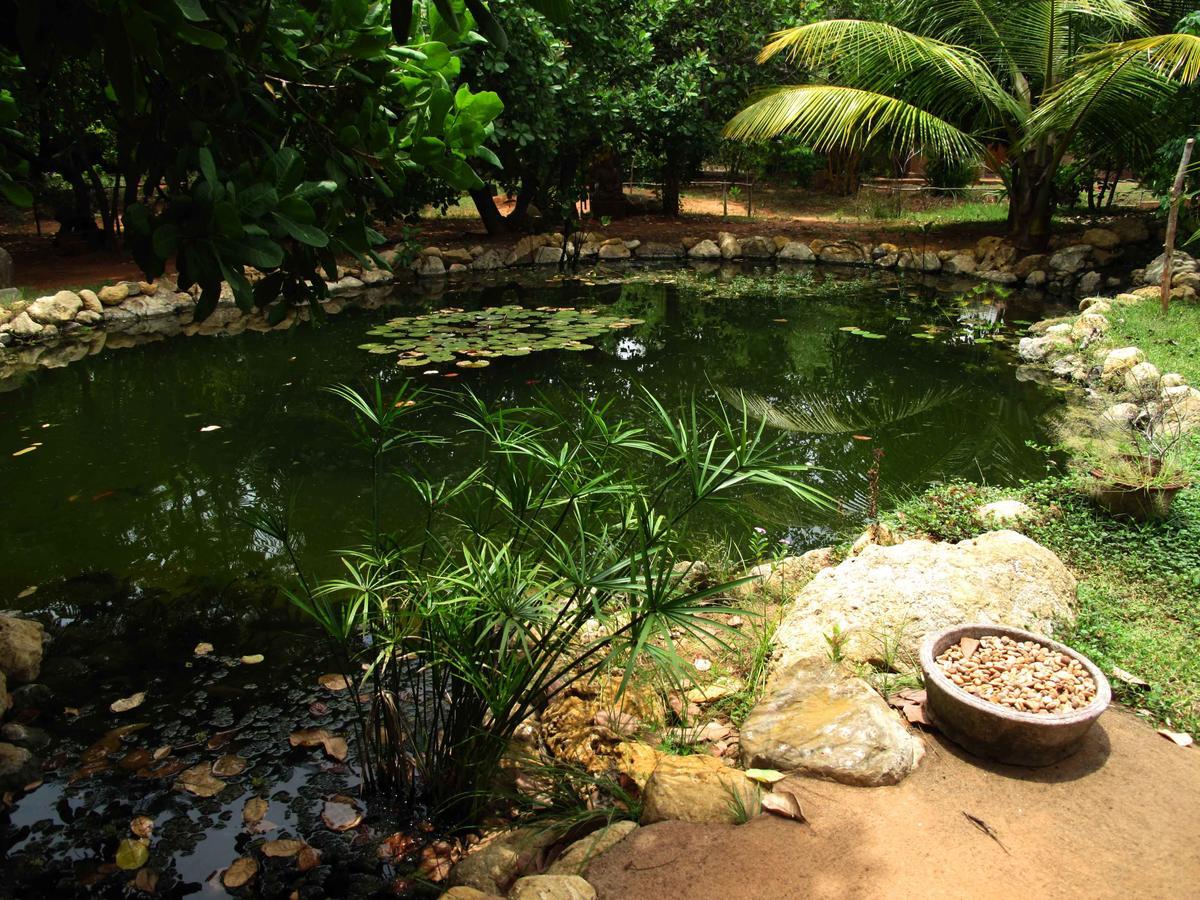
column 341, row 813
column 240, row 872
column 334, row 746
column 285, row 848
column 1181, row 738
column 308, row 858
column 785, row 804
column 229, row 766
column 203, row 649
column 146, row 881
column 255, row 810
column 127, row 703
column 142, row 826
column 132, row 854
column 765, row 776
column 334, row 682
column 1129, row 678
column 199, row 780
column 161, row 752
column 253, row 659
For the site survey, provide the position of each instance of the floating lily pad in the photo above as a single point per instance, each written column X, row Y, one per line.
column 452, row 334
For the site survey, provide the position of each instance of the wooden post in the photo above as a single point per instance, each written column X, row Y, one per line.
column 724, row 199
column 750, row 201
column 1173, row 223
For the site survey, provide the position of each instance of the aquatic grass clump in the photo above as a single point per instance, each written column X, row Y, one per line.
column 471, row 338
column 554, row 561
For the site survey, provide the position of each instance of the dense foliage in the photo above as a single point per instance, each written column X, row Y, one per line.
column 1024, row 84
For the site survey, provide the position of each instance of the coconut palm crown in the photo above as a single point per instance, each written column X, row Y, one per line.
column 972, row 79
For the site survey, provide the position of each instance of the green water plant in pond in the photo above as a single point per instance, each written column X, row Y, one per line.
column 471, row 338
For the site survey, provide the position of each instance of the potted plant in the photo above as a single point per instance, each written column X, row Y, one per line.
column 1133, row 457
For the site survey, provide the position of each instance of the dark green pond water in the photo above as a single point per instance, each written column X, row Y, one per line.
column 127, row 518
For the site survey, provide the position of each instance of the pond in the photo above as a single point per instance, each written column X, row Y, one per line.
column 125, row 525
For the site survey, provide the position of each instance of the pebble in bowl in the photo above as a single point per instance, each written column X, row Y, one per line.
column 1009, row 695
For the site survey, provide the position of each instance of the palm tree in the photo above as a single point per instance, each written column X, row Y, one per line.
column 970, row 79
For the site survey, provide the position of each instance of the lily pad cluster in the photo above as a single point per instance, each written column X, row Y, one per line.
column 472, row 338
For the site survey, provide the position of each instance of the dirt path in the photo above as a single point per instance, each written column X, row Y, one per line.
column 1121, row 819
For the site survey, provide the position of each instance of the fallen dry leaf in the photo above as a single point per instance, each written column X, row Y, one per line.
column 341, row 813
column 161, row 752
column 334, row 682
column 146, row 881
column 142, row 826
column 1129, row 678
column 308, row 858
column 437, row 859
column 785, row 804
column 207, row 428
column 1179, row 737
column 240, row 873
column 253, row 659
column 985, row 828
column 765, row 776
column 203, row 649
column 283, row 849
column 915, row 713
column 199, row 780
column 335, row 747
column 255, row 810
column 229, row 766
column 127, row 703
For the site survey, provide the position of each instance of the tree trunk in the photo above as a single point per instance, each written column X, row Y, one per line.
column 489, row 214
column 1030, row 204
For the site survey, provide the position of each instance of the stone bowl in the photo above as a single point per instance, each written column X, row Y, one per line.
column 996, row 732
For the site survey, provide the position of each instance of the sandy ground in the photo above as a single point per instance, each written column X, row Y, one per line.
column 1120, row 819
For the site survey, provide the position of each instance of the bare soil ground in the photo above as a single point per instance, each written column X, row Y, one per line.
column 1121, row 819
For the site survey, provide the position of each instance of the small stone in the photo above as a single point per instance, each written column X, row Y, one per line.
column 20, row 649
column 695, row 789
column 429, row 267
column 795, row 251
column 1121, row 360
column 552, row 887
column 615, row 251
column 705, row 250
column 113, row 294
column 1003, row 513
column 18, row 767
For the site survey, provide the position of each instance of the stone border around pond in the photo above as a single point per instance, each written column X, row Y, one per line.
column 123, row 306
column 1121, row 379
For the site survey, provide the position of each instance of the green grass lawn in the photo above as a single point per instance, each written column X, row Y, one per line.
column 1171, row 341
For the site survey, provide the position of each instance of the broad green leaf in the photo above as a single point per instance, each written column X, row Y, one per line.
column 201, row 37
column 208, row 168
column 165, row 240
column 437, row 55
column 304, row 233
column 484, row 106
column 257, row 200
column 16, row 194
column 260, row 252
column 192, row 10
column 132, row 854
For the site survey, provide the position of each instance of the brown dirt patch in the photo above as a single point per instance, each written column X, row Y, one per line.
column 1120, row 819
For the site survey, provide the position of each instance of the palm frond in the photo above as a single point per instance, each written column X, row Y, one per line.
column 831, row 117
column 880, row 57
column 1174, row 56
column 835, row 414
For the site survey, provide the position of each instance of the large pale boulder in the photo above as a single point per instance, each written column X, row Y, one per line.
column 1181, row 263
column 487, row 261
column 816, row 719
column 493, row 864
column 18, row 767
column 20, row 649
column 525, row 250
column 960, row 264
column 1118, row 362
column 705, row 249
column 579, row 855
column 1131, row 230
column 56, row 310
column 1039, row 349
column 1070, row 260
column 731, row 248
column 797, row 251
column 787, row 575
column 921, row 262
column 1101, row 238
column 657, row 250
column 697, row 789
column 845, row 253
column 896, row 595
column 614, row 251
column 1001, row 513
column 22, row 326
column 113, row 294
column 552, row 887
column 758, row 247
column 429, row 266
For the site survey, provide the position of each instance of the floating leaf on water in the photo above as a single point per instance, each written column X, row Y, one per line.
column 240, row 873
column 472, row 363
column 334, row 746
column 146, row 881
column 255, row 810
column 923, row 335
column 437, row 859
column 341, row 813
column 28, row 592
column 308, row 858
column 142, row 826
column 132, row 854
column 161, row 752
column 253, row 659
column 397, row 846
column 127, row 703
column 282, row 849
column 229, row 766
column 26, row 450
column 334, row 681
column 208, row 428
column 203, row 649
column 199, row 780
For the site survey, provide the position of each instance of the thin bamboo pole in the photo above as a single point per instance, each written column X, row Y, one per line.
column 1173, row 223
